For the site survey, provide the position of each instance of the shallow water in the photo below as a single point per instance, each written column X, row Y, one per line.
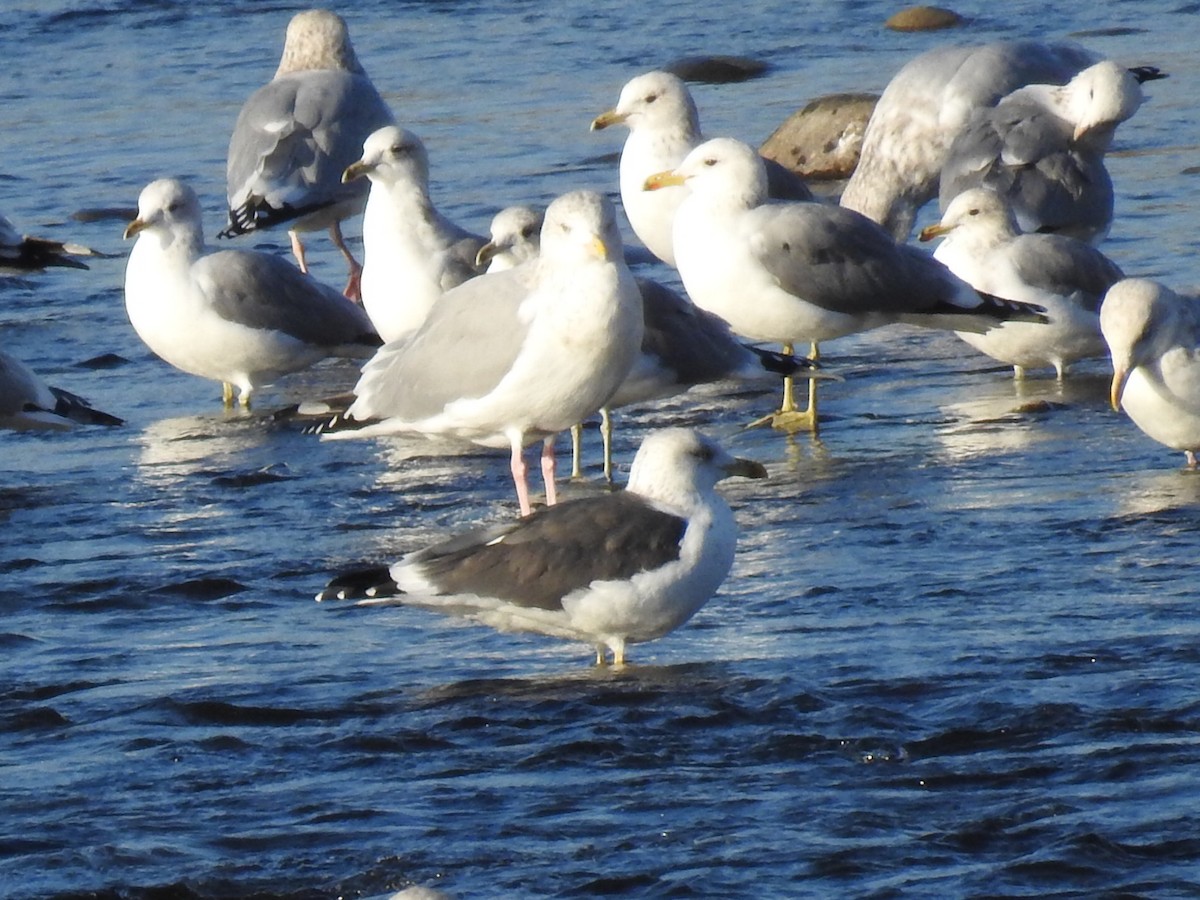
column 956, row 656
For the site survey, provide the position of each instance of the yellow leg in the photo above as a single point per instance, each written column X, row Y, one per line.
column 577, row 451
column 227, row 394
column 790, row 418
column 606, row 433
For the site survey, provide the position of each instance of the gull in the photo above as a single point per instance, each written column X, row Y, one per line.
column 516, row 356
column 664, row 126
column 23, row 253
column 295, row 136
column 783, row 272
column 926, row 104
column 1043, row 146
column 411, row 253
column 236, row 316
column 984, row 246
column 609, row 570
column 27, row 403
column 1153, row 335
column 515, row 234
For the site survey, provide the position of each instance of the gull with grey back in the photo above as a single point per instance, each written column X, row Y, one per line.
column 609, row 570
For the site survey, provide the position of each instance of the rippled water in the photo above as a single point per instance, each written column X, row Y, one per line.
column 956, row 657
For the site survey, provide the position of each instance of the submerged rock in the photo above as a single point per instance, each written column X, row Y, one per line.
column 716, row 69
column 924, row 18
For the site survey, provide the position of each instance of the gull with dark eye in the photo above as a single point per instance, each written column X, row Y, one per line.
column 240, row 317
column 609, row 570
column 789, row 272
column 983, row 245
column 295, row 135
column 412, row 254
column 664, row 126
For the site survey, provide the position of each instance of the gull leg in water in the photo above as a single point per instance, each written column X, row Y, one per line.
column 790, row 418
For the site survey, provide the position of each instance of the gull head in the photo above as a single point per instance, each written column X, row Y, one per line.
column 980, row 208
column 317, row 39
column 515, row 238
column 721, row 168
column 1101, row 96
column 675, row 464
column 656, row 100
column 168, row 208
column 581, row 225
column 392, row 155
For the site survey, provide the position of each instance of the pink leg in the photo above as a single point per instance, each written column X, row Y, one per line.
column 298, row 251
column 549, row 467
column 520, row 473
column 354, row 285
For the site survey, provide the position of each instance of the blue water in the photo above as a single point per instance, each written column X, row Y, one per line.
column 956, row 657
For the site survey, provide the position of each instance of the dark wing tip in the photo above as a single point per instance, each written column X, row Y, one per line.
column 1013, row 310
column 1147, row 73
column 360, row 584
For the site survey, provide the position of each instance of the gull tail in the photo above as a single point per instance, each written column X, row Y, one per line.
column 256, row 215
column 1147, row 73
column 361, row 584
column 785, row 364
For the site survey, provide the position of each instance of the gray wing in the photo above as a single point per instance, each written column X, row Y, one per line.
column 697, row 345
column 464, row 348
column 784, row 184
column 842, row 261
column 293, row 139
column 538, row 560
column 263, row 291
column 1064, row 266
column 461, row 255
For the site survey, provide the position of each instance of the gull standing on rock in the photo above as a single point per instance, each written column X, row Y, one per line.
column 1042, row 147
column 924, row 107
column 512, row 357
column 411, row 253
column 609, row 570
column 1153, row 335
column 664, row 126
column 984, row 247
column 787, row 272
column 236, row 316
column 295, row 136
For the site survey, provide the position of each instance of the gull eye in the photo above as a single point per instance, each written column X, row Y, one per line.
column 528, row 231
column 650, row 98
column 710, row 162
column 973, row 212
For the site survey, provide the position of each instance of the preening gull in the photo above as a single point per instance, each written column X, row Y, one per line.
column 1153, row 335
column 27, row 403
column 295, row 136
column 664, row 126
column 923, row 108
column 237, row 316
column 984, row 247
column 1043, row 146
column 22, row 253
column 610, row 570
column 515, row 236
column 411, row 253
column 787, row 272
column 516, row 356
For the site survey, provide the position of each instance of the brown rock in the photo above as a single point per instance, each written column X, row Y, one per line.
column 924, row 18
column 822, row 141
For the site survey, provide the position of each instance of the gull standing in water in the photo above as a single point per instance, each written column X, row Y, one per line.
column 296, row 135
column 610, row 570
column 516, row 356
column 236, row 316
column 412, row 254
column 1153, row 335
column 1042, row 147
column 786, row 272
column 664, row 126
column 984, row 247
